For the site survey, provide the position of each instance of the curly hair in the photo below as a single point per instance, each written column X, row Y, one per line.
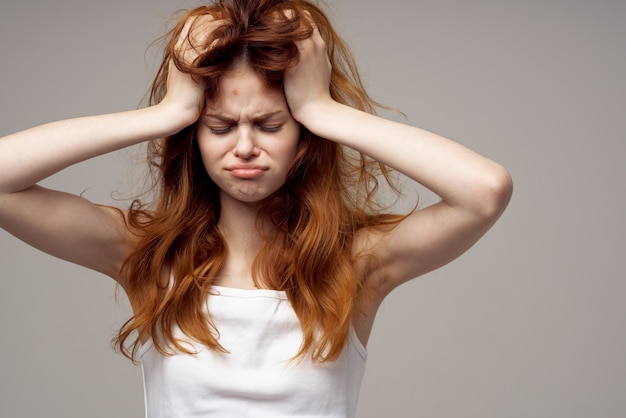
column 329, row 194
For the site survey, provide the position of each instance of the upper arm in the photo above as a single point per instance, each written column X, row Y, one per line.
column 429, row 238
column 68, row 226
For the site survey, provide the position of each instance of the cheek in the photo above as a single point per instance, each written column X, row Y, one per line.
column 289, row 148
column 210, row 146
column 209, row 153
column 294, row 138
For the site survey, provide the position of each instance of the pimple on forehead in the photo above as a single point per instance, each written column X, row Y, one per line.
column 235, row 92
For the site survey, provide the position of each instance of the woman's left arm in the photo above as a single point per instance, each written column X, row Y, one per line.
column 474, row 190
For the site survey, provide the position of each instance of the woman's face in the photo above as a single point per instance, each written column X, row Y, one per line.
column 247, row 137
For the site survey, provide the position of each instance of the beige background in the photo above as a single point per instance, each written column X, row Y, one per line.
column 529, row 323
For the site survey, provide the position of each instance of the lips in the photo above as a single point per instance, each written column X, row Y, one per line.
column 246, row 171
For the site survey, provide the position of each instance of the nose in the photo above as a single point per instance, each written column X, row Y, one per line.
column 245, row 146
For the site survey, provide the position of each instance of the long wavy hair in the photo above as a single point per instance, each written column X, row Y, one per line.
column 329, row 194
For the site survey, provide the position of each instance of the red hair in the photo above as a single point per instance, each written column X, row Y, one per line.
column 327, row 198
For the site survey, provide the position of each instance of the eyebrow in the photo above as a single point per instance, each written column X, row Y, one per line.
column 259, row 118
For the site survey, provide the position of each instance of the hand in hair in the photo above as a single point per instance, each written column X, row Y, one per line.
column 307, row 84
column 185, row 95
column 193, row 37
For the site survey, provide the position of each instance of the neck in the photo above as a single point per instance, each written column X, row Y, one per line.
column 238, row 226
column 238, row 222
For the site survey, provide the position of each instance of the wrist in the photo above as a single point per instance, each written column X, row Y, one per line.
column 175, row 116
column 314, row 114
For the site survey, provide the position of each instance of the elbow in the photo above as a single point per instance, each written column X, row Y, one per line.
column 495, row 193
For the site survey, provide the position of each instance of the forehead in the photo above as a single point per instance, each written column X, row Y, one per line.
column 244, row 96
column 242, row 86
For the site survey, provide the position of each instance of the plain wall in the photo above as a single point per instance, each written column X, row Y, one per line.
column 529, row 323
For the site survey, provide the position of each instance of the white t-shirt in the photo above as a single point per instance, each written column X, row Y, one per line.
column 256, row 378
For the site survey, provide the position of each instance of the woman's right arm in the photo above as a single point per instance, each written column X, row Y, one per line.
column 68, row 226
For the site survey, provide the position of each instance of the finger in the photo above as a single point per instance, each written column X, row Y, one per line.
column 310, row 19
column 193, row 37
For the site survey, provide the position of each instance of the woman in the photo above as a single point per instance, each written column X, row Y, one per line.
column 256, row 275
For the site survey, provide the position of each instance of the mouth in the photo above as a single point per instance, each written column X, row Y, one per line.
column 246, row 171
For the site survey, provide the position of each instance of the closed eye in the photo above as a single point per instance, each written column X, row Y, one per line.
column 270, row 128
column 221, row 130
